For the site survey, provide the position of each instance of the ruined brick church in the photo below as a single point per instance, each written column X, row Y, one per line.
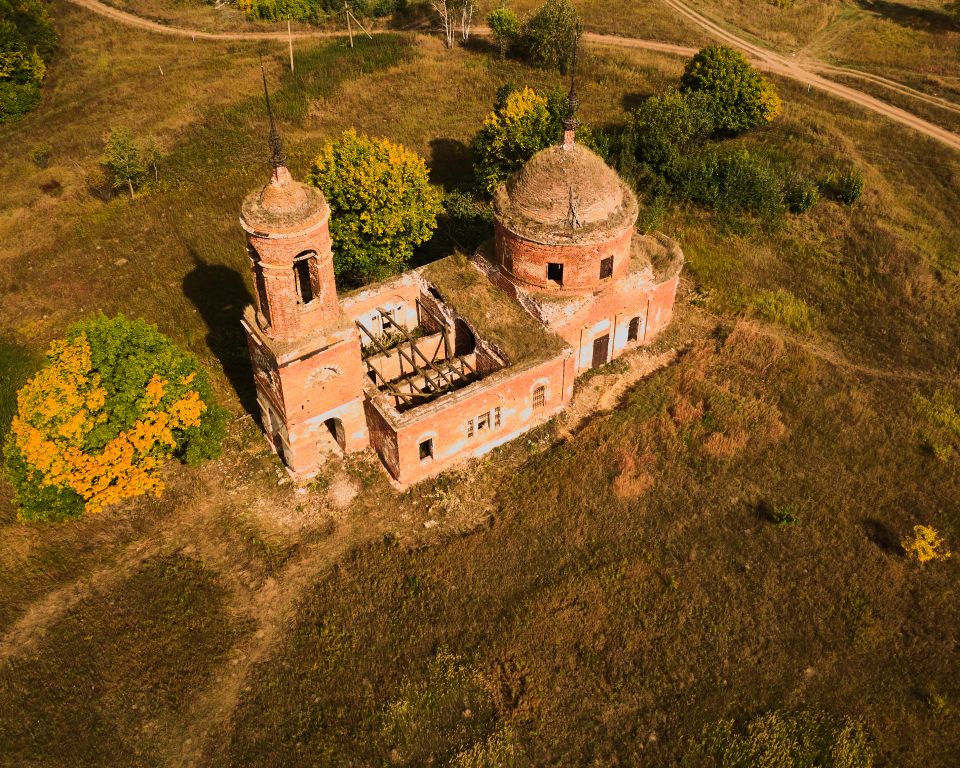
column 450, row 360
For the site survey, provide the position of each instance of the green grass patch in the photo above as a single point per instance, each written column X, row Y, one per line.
column 115, row 663
column 781, row 307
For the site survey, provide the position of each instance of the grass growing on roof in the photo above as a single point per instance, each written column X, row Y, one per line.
column 496, row 317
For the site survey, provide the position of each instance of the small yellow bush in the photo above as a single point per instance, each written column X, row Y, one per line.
column 925, row 544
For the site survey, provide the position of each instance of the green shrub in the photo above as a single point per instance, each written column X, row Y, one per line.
column 40, row 155
column 667, row 126
column 382, row 204
column 781, row 307
column 27, row 40
column 548, row 35
column 124, row 159
column 730, row 182
column 740, row 98
column 782, row 740
column 506, row 28
column 114, row 400
column 844, row 186
column 800, row 194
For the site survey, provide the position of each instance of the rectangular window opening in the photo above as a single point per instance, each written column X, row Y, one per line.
column 426, row 449
column 555, row 273
column 304, row 283
column 483, row 421
column 496, row 417
column 539, row 396
column 470, row 428
column 606, row 268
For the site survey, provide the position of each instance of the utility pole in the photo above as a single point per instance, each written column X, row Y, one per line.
column 290, row 42
column 349, row 28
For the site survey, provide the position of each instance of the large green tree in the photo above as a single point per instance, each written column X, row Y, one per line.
column 740, row 97
column 382, row 203
column 666, row 126
column 549, row 34
column 506, row 28
column 27, row 38
column 522, row 123
column 114, row 401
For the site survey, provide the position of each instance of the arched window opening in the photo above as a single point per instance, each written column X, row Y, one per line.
column 633, row 330
column 262, row 301
column 304, row 270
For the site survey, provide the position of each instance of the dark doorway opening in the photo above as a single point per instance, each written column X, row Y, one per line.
column 601, row 348
column 335, row 426
column 555, row 273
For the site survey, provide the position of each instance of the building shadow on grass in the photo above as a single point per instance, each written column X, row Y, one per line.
column 630, row 101
column 927, row 19
column 451, row 164
column 220, row 294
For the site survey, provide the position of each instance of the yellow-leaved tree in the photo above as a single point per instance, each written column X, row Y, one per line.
column 115, row 400
column 925, row 544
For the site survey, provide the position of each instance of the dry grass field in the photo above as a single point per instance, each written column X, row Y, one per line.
column 594, row 599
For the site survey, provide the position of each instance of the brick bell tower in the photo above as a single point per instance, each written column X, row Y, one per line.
column 305, row 353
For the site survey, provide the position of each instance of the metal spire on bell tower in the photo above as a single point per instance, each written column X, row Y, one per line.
column 276, row 145
column 570, row 121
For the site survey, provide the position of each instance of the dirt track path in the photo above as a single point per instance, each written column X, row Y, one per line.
column 765, row 59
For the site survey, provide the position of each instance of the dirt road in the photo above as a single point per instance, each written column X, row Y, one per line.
column 766, row 60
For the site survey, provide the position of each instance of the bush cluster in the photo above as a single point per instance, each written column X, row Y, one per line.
column 740, row 98
column 27, row 40
column 315, row 10
column 665, row 148
column 545, row 39
column 845, row 186
column 114, row 401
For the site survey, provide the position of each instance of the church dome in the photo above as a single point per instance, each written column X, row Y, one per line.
column 283, row 207
column 565, row 195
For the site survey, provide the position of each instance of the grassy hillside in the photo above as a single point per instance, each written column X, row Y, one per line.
column 591, row 601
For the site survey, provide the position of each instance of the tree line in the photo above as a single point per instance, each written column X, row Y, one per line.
column 27, row 41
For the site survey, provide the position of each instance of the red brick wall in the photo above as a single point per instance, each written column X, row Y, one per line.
column 285, row 316
column 446, row 421
column 610, row 314
column 581, row 263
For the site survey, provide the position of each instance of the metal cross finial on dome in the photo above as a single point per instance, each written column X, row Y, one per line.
column 276, row 145
column 570, row 121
